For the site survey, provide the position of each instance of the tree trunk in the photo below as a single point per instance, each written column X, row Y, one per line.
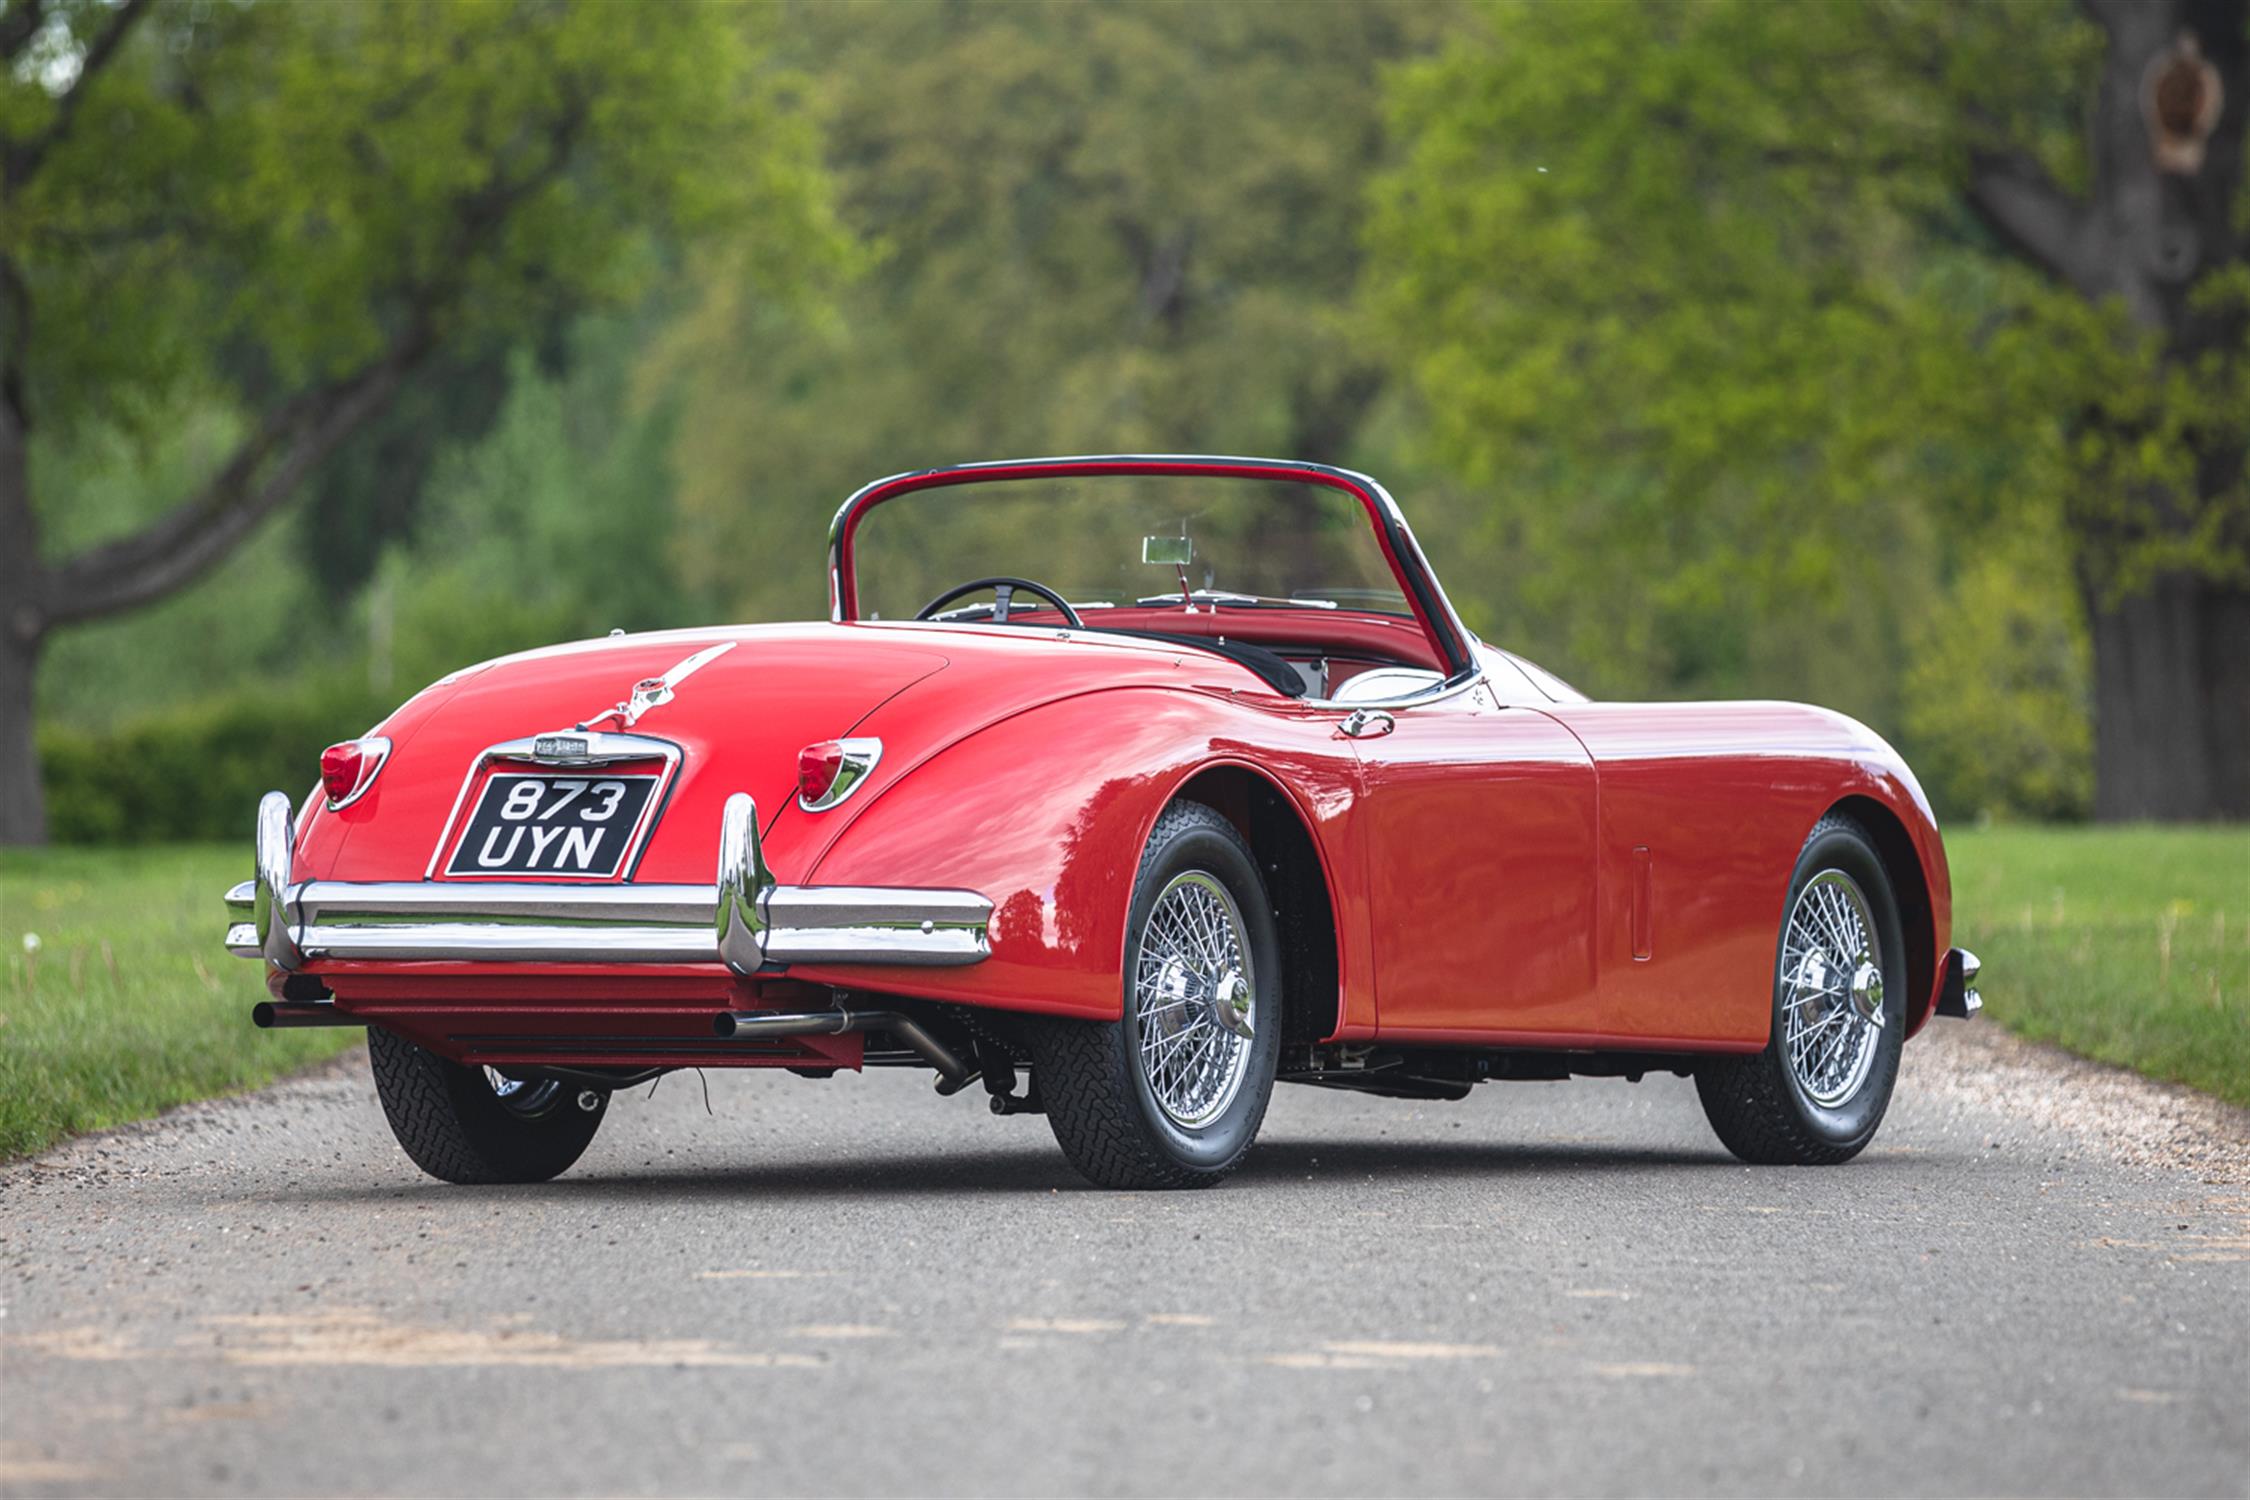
column 2168, row 145
column 2172, row 701
column 23, row 810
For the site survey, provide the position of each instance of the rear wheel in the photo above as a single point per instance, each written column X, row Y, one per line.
column 1172, row 1092
column 477, row 1125
column 1818, row 1091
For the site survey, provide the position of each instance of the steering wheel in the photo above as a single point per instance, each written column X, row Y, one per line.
column 1003, row 590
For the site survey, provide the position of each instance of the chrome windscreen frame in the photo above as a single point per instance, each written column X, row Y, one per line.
column 1456, row 646
column 743, row 919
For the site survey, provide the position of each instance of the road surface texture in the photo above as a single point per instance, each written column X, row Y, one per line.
column 2037, row 1281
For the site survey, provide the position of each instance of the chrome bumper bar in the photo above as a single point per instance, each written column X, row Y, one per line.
column 742, row 919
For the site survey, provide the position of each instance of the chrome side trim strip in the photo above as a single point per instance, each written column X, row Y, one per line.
column 743, row 919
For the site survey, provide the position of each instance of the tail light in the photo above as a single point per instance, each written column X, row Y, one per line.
column 829, row 771
column 348, row 770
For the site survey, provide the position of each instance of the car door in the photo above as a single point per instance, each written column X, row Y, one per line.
column 1480, row 846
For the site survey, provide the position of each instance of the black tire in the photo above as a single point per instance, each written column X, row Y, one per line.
column 1098, row 1100
column 458, row 1130
column 1757, row 1105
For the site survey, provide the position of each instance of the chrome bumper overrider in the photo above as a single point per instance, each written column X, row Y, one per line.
column 1957, row 996
column 742, row 918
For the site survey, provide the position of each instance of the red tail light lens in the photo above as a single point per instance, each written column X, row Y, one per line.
column 348, row 770
column 817, row 768
column 828, row 771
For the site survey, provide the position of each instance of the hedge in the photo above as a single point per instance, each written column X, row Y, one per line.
column 195, row 772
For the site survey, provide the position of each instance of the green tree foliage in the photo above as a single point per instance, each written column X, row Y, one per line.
column 169, row 723
column 286, row 212
column 1746, row 314
column 1095, row 227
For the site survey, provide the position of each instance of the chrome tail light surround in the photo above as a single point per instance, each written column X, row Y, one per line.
column 374, row 753
column 859, row 758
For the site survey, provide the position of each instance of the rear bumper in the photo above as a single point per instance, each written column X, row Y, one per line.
column 743, row 919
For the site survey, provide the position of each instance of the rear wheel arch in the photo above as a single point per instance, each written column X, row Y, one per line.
column 1911, row 888
column 1297, row 882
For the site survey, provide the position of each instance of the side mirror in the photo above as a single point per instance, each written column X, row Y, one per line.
column 1167, row 551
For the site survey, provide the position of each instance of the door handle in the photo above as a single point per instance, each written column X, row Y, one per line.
column 1366, row 723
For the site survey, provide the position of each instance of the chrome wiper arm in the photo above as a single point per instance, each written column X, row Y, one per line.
column 1236, row 601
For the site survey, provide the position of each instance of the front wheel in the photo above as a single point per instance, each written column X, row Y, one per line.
column 476, row 1125
column 1817, row 1092
column 1172, row 1092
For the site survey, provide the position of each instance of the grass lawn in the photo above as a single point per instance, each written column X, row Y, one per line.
column 2131, row 945
column 2127, row 944
column 130, row 1005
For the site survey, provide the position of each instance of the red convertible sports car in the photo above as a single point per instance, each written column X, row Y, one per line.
column 1127, row 787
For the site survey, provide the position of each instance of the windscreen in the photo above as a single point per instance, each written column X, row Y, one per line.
column 1119, row 540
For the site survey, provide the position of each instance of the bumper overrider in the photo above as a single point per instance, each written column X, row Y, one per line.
column 742, row 919
column 1957, row 995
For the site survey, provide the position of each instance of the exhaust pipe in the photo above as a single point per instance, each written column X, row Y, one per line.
column 281, row 1015
column 953, row 1074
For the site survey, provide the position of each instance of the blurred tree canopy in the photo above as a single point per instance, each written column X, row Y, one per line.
column 276, row 217
column 1794, row 343
column 1719, row 349
column 1095, row 228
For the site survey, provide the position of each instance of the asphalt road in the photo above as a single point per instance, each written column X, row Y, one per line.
column 2037, row 1281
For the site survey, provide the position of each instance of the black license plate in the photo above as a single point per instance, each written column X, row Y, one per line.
column 571, row 827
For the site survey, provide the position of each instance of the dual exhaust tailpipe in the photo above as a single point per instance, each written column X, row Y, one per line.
column 953, row 1074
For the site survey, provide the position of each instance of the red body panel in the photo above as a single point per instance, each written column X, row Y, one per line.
column 1505, row 869
column 1480, row 857
column 1047, row 814
column 1722, row 796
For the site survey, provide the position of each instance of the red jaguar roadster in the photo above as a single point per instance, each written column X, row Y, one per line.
column 1124, row 787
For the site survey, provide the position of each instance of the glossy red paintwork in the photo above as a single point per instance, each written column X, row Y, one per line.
column 1498, row 863
column 1481, row 858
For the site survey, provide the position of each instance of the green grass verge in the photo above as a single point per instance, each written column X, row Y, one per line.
column 2131, row 945
column 2128, row 944
column 129, row 1005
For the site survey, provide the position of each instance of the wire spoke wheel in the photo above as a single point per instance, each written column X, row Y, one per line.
column 1832, row 981
column 1171, row 1092
column 1195, row 999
